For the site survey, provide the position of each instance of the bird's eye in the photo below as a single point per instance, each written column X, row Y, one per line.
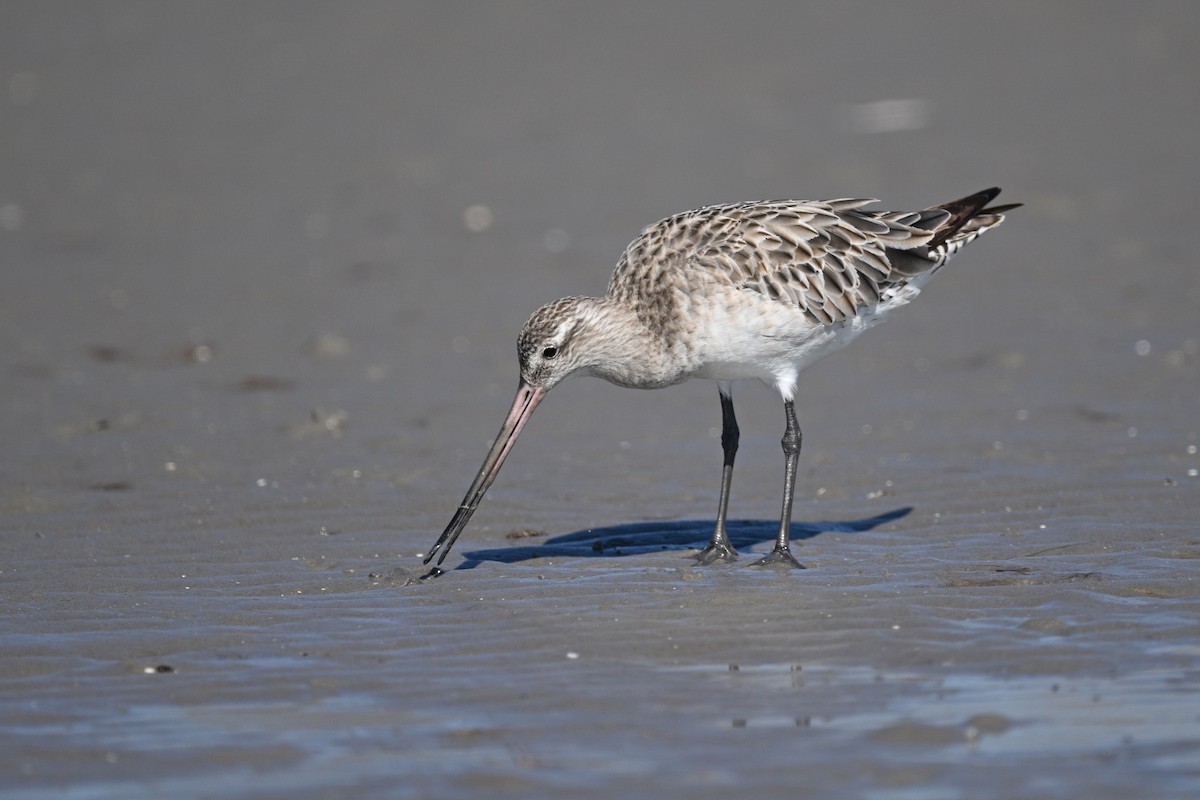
column 550, row 352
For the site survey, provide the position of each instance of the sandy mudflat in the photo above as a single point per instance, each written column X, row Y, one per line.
column 263, row 268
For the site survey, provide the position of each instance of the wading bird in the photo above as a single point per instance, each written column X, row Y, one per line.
column 732, row 292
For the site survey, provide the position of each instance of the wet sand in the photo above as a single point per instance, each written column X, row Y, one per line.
column 264, row 268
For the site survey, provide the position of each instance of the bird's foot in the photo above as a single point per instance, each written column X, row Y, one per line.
column 779, row 557
column 717, row 551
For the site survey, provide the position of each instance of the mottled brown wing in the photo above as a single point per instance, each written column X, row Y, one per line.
column 829, row 258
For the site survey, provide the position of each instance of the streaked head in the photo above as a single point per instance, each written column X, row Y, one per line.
column 548, row 347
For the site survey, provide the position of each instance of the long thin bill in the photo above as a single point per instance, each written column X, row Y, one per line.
column 526, row 401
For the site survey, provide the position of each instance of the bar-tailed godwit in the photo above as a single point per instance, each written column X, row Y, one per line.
column 730, row 292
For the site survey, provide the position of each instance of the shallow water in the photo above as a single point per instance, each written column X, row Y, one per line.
column 592, row 673
column 590, row 724
column 263, row 271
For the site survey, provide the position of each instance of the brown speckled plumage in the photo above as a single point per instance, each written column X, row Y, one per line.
column 827, row 258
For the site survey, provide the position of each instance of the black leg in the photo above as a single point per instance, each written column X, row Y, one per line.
column 719, row 549
column 791, row 457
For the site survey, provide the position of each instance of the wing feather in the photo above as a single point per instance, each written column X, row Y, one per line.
column 829, row 258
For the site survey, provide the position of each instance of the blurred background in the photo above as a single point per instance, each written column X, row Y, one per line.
column 375, row 195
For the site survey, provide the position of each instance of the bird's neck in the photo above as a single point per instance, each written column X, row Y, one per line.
column 622, row 349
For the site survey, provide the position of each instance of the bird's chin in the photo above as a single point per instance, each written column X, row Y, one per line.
column 549, row 383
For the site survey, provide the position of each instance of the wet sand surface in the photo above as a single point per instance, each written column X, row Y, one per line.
column 264, row 267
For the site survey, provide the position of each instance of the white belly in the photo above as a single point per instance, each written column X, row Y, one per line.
column 772, row 342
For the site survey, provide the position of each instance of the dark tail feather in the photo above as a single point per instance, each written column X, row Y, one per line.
column 962, row 221
column 961, row 211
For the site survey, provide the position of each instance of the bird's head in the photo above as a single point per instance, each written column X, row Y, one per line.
column 553, row 343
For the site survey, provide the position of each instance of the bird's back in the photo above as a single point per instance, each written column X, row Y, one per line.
column 830, row 259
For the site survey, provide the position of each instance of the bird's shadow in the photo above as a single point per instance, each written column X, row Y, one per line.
column 617, row 541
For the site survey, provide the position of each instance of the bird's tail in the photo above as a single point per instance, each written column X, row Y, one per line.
column 967, row 218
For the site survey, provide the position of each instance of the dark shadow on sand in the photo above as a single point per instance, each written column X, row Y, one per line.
column 618, row 541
